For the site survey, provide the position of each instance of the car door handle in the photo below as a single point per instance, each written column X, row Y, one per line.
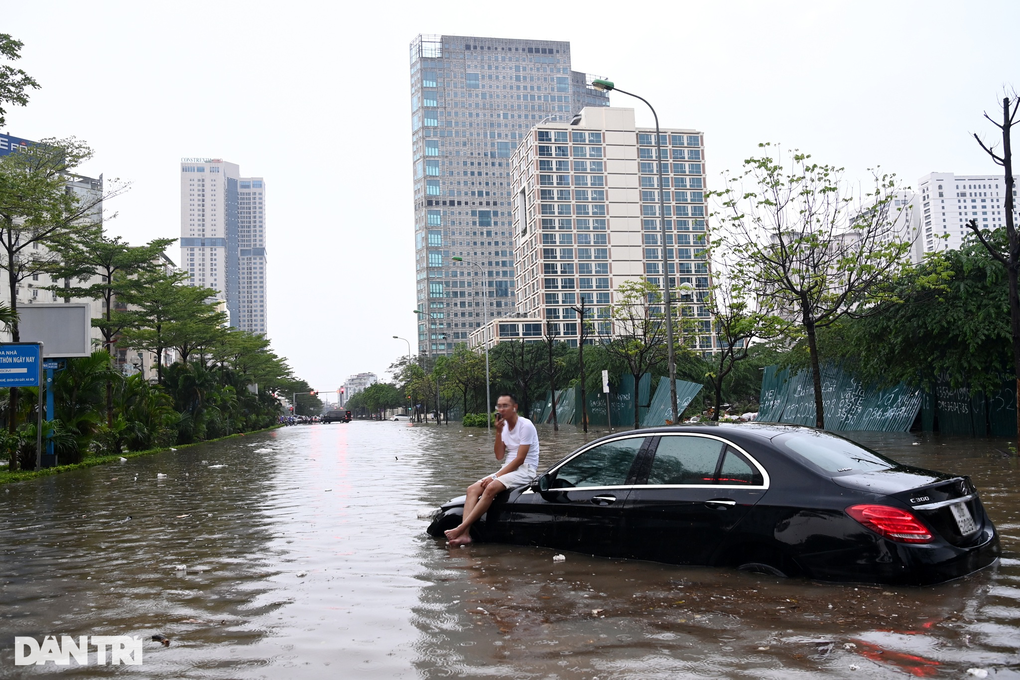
column 603, row 500
column 720, row 501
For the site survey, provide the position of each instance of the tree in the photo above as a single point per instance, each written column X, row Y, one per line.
column 520, row 364
column 379, row 397
column 40, row 212
column 167, row 313
column 14, row 82
column 638, row 332
column 948, row 316
column 466, row 370
column 803, row 238
column 1008, row 255
column 740, row 317
column 99, row 269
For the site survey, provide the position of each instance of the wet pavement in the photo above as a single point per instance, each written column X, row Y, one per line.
column 304, row 556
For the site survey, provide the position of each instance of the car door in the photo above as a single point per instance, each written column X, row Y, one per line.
column 696, row 489
column 579, row 504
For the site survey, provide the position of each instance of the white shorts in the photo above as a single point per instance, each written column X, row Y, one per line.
column 519, row 477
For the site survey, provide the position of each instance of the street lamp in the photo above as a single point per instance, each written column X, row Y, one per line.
column 485, row 345
column 609, row 86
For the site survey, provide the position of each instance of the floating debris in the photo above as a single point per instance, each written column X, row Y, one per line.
column 123, row 459
column 977, row 672
column 559, row 558
column 216, row 467
column 162, row 639
column 161, row 475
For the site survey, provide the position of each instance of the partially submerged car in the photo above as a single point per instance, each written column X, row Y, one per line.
column 777, row 499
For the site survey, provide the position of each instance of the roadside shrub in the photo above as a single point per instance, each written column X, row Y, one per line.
column 474, row 420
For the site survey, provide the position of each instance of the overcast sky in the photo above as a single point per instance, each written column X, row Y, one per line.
column 314, row 97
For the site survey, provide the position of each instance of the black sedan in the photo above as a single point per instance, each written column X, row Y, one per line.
column 777, row 499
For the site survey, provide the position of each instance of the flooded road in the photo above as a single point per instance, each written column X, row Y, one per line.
column 301, row 553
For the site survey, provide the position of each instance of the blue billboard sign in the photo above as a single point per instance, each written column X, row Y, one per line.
column 19, row 364
column 9, row 145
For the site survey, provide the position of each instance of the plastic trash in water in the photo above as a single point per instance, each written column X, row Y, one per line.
column 559, row 558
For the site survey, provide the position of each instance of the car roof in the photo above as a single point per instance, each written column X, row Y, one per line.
column 735, row 431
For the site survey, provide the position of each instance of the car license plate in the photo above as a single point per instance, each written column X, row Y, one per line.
column 963, row 519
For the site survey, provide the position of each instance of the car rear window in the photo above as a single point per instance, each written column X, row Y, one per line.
column 834, row 454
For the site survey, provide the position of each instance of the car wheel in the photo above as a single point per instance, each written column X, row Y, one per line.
column 761, row 568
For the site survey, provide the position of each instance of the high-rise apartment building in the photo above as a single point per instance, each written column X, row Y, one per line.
column 945, row 203
column 586, row 218
column 223, row 237
column 473, row 100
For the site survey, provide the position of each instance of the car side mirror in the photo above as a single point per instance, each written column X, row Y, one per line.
column 540, row 484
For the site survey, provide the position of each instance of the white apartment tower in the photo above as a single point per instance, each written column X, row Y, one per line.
column 223, row 237
column 586, row 219
column 946, row 202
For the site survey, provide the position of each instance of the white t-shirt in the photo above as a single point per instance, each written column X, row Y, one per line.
column 524, row 433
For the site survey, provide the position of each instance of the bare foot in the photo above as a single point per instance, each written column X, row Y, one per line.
column 465, row 539
column 453, row 533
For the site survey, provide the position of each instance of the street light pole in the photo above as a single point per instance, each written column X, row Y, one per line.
column 485, row 346
column 609, row 86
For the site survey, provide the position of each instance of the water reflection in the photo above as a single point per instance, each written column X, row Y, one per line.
column 305, row 555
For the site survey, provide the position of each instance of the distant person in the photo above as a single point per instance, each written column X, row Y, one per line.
column 517, row 442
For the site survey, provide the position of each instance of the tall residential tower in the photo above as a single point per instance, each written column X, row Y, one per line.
column 473, row 100
column 223, row 237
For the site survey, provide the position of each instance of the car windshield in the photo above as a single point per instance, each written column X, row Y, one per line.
column 833, row 454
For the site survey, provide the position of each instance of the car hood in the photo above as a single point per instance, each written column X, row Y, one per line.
column 892, row 481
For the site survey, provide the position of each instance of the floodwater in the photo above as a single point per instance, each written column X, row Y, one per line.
column 304, row 555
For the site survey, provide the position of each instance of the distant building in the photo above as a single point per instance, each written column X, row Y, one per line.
column 473, row 100
column 223, row 237
column 31, row 290
column 945, row 202
column 357, row 383
column 586, row 219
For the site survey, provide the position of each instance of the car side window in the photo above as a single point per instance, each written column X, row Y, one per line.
column 685, row 460
column 608, row 464
column 736, row 470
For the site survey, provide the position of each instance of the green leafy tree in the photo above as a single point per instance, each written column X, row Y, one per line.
column 40, row 213
column 950, row 317
column 801, row 236
column 740, row 316
column 163, row 312
column 379, row 397
column 466, row 372
column 520, row 365
column 638, row 333
column 14, row 82
column 100, row 269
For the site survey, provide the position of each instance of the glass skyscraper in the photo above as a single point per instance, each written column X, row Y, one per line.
column 473, row 100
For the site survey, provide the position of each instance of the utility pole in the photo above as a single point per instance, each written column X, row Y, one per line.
column 582, row 335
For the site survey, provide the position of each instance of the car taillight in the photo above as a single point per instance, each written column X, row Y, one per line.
column 892, row 523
